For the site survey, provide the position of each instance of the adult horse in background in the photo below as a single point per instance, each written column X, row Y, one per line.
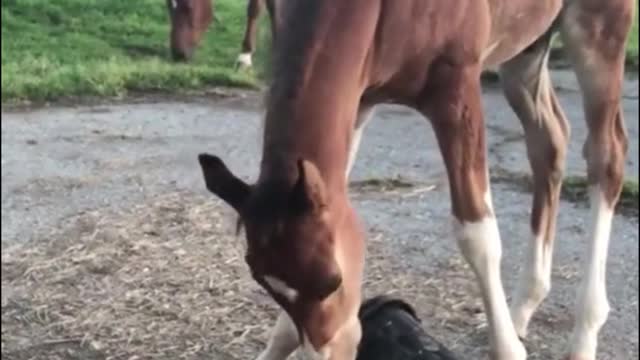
column 334, row 61
column 190, row 19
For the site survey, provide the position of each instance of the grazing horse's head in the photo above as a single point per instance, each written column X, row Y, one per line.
column 189, row 21
column 289, row 230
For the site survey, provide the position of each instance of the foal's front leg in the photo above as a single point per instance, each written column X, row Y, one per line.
column 365, row 113
column 456, row 113
column 284, row 340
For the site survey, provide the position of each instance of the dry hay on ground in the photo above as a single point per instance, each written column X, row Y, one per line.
column 166, row 280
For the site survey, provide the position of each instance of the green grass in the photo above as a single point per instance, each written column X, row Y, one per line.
column 67, row 48
column 632, row 45
column 575, row 188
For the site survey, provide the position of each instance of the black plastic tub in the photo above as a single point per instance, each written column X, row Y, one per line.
column 391, row 330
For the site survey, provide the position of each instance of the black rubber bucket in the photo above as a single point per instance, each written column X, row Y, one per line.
column 391, row 330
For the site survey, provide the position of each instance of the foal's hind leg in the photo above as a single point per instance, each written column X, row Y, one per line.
column 455, row 111
column 528, row 89
column 595, row 37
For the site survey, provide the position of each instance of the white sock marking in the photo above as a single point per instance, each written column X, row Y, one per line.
column 364, row 115
column 245, row 60
column 481, row 246
column 592, row 306
column 533, row 284
column 313, row 354
column 343, row 346
column 283, row 341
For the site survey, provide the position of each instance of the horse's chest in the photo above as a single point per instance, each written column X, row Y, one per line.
column 515, row 24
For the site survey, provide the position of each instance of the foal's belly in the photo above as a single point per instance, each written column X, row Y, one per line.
column 515, row 24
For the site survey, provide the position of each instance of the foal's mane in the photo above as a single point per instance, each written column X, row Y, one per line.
column 291, row 51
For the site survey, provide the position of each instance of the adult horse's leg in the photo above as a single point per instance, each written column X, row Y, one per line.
column 595, row 35
column 283, row 341
column 528, row 89
column 365, row 113
column 254, row 8
column 274, row 18
column 455, row 110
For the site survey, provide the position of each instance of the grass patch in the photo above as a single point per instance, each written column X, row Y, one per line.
column 69, row 48
column 632, row 45
column 382, row 184
column 557, row 54
column 54, row 49
column 575, row 188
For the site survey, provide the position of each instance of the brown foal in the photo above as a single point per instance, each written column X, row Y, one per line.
column 334, row 61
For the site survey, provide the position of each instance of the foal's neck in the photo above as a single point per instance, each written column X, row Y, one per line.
column 311, row 138
column 316, row 124
column 318, row 82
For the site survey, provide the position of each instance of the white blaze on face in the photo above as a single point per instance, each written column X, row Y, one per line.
column 282, row 288
column 174, row 4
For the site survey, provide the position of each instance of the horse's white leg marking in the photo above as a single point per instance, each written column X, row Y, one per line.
column 534, row 282
column 284, row 340
column 312, row 354
column 365, row 113
column 528, row 89
column 481, row 246
column 282, row 288
column 599, row 66
column 245, row 60
column 343, row 346
column 592, row 306
column 346, row 343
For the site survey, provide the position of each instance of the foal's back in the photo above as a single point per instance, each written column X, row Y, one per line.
column 414, row 36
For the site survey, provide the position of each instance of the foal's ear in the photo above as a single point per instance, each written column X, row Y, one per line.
column 309, row 193
column 222, row 182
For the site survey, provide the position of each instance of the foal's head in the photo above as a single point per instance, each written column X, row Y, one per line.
column 289, row 230
column 189, row 21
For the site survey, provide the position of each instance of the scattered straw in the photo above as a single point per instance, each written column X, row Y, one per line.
column 167, row 280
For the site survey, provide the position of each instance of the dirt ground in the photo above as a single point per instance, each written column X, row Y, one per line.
column 113, row 249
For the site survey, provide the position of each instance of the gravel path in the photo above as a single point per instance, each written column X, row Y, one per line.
column 58, row 162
